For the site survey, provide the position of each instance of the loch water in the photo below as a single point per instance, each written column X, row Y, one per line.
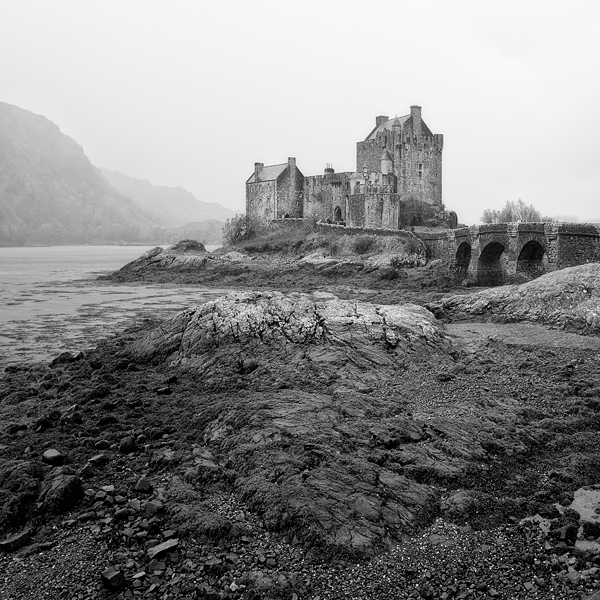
column 51, row 299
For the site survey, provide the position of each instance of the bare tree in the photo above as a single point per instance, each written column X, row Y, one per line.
column 513, row 212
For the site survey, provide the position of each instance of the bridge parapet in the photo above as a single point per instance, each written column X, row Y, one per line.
column 503, row 252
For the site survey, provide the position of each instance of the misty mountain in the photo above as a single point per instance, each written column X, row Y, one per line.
column 207, row 232
column 50, row 193
column 170, row 206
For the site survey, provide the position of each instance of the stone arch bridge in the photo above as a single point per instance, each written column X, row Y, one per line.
column 513, row 252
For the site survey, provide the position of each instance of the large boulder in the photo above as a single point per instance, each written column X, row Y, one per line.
column 298, row 440
column 20, row 484
column 321, row 324
column 568, row 299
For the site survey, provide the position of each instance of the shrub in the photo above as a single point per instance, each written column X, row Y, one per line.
column 363, row 243
column 241, row 227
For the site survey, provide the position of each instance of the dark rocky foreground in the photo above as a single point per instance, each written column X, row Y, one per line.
column 302, row 446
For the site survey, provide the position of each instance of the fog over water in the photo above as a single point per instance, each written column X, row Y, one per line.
column 51, row 301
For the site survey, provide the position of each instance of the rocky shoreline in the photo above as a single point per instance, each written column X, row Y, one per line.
column 306, row 445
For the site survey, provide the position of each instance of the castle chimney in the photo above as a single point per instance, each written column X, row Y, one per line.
column 291, row 163
column 329, row 170
column 415, row 113
column 258, row 167
column 380, row 120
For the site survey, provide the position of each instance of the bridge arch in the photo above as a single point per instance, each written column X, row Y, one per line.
column 532, row 259
column 463, row 259
column 490, row 269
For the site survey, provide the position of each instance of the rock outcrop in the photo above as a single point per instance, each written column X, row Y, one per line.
column 318, row 358
column 568, row 299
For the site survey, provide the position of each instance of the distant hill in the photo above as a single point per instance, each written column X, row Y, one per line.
column 50, row 193
column 170, row 206
column 207, row 232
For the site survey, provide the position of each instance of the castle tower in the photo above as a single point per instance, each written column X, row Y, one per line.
column 414, row 155
column 387, row 163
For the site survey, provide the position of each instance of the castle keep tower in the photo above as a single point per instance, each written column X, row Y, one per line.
column 416, row 155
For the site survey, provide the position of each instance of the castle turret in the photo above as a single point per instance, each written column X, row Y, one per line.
column 387, row 163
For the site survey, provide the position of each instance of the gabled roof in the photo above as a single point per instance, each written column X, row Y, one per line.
column 387, row 126
column 268, row 173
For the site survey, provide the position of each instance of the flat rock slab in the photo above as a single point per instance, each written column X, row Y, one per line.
column 521, row 334
column 53, row 457
column 163, row 548
column 15, row 541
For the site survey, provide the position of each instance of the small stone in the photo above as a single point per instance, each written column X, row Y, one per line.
column 53, row 457
column 122, row 513
column 86, row 471
column 86, row 516
column 99, row 460
column 574, row 577
column 144, row 486
column 135, row 504
column 163, row 548
column 163, row 391
column 153, row 507
column 113, row 578
column 128, row 445
column 102, row 445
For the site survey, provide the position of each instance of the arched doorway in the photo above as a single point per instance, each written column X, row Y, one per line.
column 489, row 266
column 532, row 260
column 337, row 214
column 463, row 259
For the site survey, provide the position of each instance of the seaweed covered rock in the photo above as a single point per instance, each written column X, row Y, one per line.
column 187, row 255
column 290, row 408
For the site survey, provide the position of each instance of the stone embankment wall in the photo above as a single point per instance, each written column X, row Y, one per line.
column 283, row 225
column 509, row 252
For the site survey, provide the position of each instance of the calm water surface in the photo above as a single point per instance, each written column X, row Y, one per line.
column 50, row 300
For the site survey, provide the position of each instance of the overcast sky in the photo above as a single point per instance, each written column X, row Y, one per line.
column 192, row 93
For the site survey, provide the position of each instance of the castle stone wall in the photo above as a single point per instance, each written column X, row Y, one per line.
column 290, row 185
column 261, row 199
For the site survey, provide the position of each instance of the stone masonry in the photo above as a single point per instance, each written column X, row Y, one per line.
column 399, row 160
column 508, row 252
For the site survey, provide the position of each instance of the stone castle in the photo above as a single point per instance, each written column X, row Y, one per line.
column 399, row 162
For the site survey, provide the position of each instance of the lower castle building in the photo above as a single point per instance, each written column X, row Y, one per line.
column 398, row 163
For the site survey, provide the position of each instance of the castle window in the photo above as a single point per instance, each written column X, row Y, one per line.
column 420, row 170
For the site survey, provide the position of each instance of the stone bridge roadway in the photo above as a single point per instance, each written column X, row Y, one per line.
column 513, row 252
